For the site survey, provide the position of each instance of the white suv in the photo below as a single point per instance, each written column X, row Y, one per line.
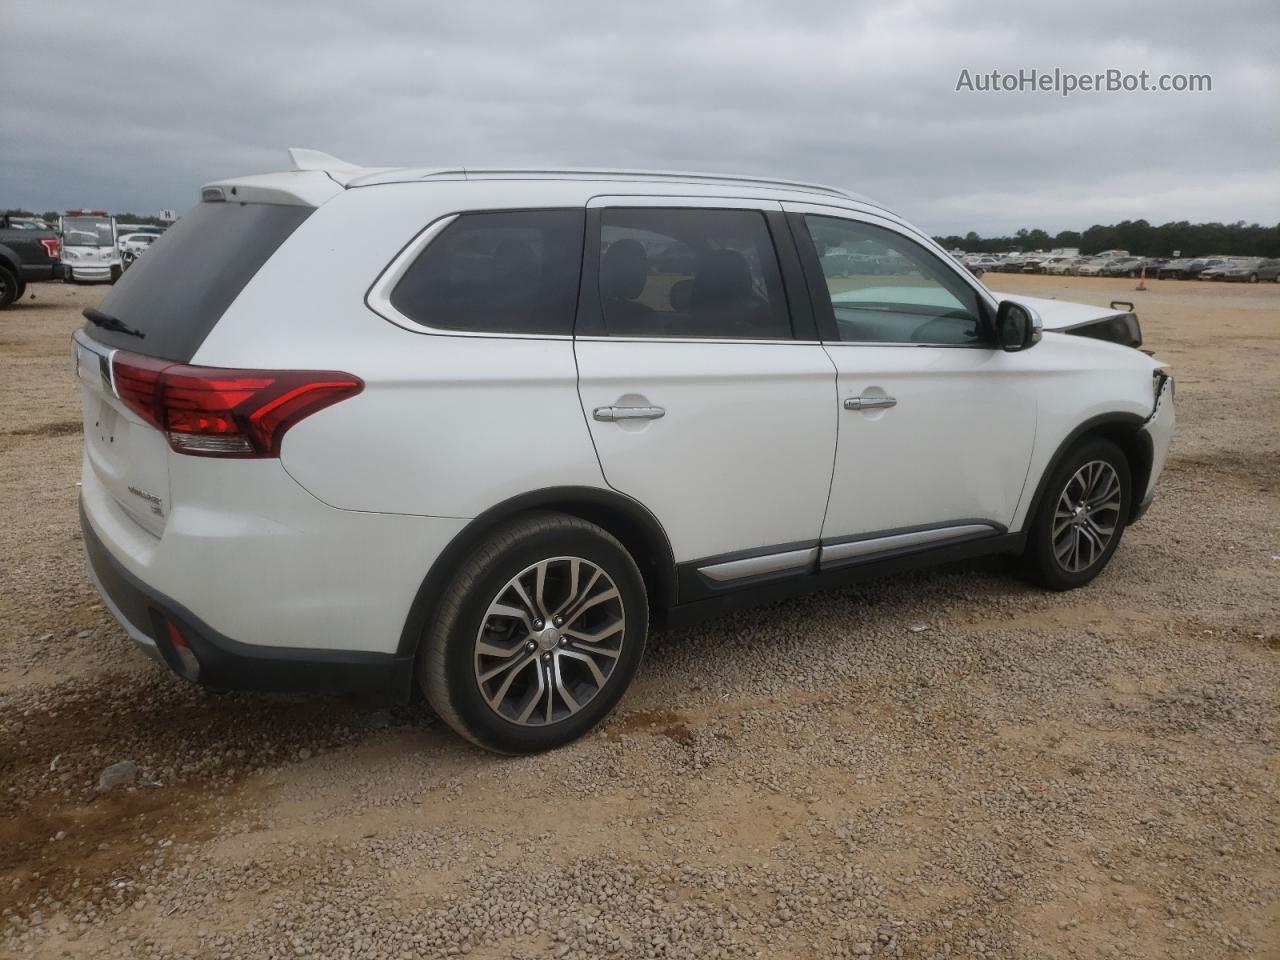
column 469, row 433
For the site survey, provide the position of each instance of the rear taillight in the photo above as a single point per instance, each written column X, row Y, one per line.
column 213, row 412
column 51, row 246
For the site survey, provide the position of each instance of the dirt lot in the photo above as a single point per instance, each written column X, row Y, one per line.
column 1084, row 775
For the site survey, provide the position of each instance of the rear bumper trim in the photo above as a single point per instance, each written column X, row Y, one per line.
column 227, row 664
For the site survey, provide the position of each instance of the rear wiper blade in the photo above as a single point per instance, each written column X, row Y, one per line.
column 108, row 322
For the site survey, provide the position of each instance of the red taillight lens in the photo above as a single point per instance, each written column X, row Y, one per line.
column 212, row 412
column 52, row 246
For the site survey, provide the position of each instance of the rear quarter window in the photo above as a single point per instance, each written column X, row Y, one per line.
column 176, row 294
column 512, row 272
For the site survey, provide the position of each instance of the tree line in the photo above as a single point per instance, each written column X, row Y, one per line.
column 1238, row 239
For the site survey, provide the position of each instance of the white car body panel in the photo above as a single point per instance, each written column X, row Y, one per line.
column 1060, row 314
column 890, row 463
column 742, row 457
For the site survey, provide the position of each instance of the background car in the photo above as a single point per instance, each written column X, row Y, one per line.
column 1174, row 269
column 1065, row 266
column 1239, row 271
column 1122, row 267
column 133, row 245
column 1269, row 270
column 1196, row 267
column 1091, row 268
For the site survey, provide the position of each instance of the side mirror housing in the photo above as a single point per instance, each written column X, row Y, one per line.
column 1018, row 327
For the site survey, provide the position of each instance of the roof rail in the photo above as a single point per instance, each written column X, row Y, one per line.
column 575, row 173
column 352, row 175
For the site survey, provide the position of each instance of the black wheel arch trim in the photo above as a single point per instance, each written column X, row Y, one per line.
column 626, row 518
column 1125, row 429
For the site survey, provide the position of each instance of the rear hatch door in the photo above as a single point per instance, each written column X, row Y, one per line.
column 160, row 311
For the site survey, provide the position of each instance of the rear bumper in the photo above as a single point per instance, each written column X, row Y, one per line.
column 42, row 271
column 152, row 619
column 95, row 274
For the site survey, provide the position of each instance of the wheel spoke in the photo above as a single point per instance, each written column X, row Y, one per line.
column 539, row 589
column 602, row 651
column 534, row 612
column 486, row 649
column 512, row 670
column 534, row 699
column 602, row 597
column 569, row 702
column 499, row 609
column 597, row 636
column 589, row 661
column 575, row 566
column 574, row 605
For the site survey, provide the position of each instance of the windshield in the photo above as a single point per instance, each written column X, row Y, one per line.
column 86, row 232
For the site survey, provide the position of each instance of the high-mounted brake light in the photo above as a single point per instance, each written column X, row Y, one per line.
column 215, row 412
column 51, row 247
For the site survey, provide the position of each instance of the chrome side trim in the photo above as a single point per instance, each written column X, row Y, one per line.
column 757, row 566
column 852, row 549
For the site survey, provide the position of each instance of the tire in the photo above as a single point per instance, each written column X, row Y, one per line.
column 504, row 710
column 9, row 290
column 1044, row 560
column 1253, row 278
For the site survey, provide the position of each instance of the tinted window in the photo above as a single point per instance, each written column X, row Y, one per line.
column 690, row 273
column 507, row 272
column 178, row 291
column 886, row 288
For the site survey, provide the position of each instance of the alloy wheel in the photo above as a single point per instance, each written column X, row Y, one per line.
column 1087, row 516
column 549, row 641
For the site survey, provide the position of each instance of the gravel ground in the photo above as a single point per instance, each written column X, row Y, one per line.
column 1045, row 776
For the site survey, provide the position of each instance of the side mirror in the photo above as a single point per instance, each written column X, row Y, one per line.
column 1018, row 327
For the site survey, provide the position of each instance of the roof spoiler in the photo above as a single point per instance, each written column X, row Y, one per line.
column 301, row 158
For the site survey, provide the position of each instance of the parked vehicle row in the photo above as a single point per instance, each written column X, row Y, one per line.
column 1120, row 263
column 84, row 246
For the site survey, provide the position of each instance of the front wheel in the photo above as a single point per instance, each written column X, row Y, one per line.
column 538, row 636
column 1081, row 519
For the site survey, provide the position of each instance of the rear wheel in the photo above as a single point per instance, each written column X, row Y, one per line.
column 9, row 290
column 538, row 636
column 1082, row 517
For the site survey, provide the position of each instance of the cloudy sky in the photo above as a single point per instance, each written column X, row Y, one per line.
column 132, row 105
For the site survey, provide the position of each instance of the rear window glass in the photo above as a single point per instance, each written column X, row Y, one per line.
column 176, row 294
column 502, row 272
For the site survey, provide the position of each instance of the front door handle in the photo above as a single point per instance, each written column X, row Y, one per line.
column 612, row 414
column 869, row 403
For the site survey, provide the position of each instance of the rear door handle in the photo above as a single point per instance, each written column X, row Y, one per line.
column 869, row 403
column 612, row 414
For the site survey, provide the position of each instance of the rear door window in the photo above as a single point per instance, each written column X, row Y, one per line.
column 175, row 295
column 690, row 273
column 513, row 272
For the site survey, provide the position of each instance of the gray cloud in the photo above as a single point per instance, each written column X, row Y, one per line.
column 134, row 105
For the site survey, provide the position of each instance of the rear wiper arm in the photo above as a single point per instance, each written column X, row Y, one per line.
column 108, row 322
